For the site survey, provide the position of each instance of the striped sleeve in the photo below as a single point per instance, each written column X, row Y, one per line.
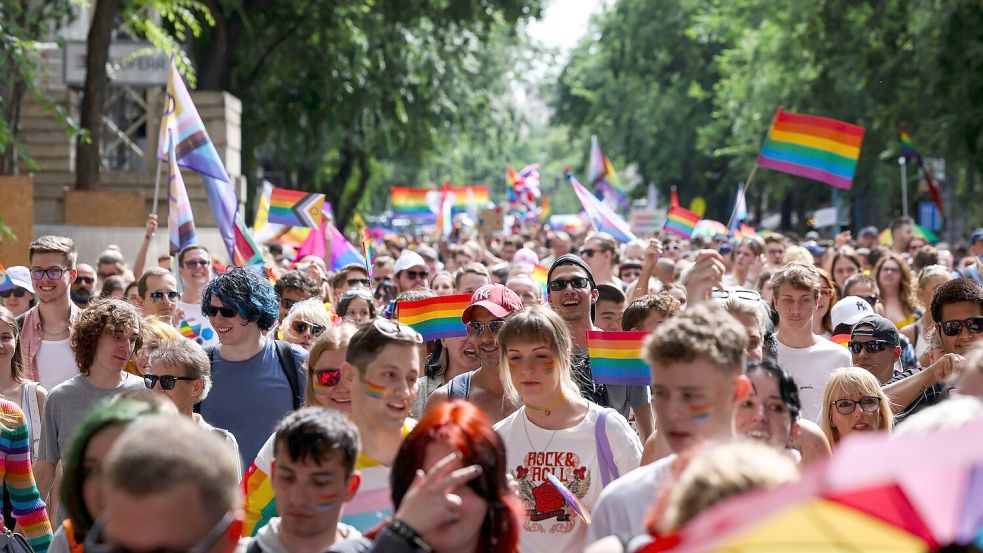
column 18, row 478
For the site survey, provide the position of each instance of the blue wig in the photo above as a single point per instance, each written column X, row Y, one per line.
column 248, row 292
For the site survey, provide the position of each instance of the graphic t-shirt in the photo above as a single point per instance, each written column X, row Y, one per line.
column 195, row 326
column 550, row 524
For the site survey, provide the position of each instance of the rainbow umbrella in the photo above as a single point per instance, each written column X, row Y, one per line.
column 707, row 228
column 885, row 237
column 878, row 493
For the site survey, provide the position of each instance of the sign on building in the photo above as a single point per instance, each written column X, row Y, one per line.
column 129, row 63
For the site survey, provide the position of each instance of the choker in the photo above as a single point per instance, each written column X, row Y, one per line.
column 546, row 410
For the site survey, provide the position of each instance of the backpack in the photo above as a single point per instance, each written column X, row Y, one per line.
column 285, row 357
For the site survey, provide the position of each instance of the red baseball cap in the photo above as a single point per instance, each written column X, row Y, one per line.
column 497, row 299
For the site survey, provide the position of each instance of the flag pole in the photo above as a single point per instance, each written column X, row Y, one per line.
column 754, row 169
column 163, row 113
column 903, row 163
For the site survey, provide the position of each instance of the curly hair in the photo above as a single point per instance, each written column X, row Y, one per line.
column 246, row 291
column 706, row 331
column 113, row 316
column 639, row 309
column 298, row 280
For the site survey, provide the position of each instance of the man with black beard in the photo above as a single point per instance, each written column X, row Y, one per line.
column 84, row 286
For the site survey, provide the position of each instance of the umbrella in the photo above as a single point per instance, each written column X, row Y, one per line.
column 885, row 237
column 911, row 493
column 707, row 228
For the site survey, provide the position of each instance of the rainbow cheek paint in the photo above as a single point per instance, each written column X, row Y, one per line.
column 374, row 390
column 327, row 501
column 699, row 412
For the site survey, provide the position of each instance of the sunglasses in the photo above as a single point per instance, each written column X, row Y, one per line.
column 413, row 275
column 16, row 292
column 396, row 330
column 360, row 282
column 578, row 283
column 301, row 327
column 327, row 377
column 213, row 310
column 872, row 347
column 53, row 273
column 868, row 404
column 871, row 300
column 192, row 263
column 475, row 328
column 954, row 327
column 84, row 280
column 167, row 381
column 158, row 296
column 288, row 304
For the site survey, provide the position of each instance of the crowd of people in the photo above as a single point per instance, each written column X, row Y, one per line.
column 188, row 406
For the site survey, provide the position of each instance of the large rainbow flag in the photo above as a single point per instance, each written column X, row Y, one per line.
column 681, row 221
column 414, row 204
column 817, row 148
column 435, row 318
column 616, row 358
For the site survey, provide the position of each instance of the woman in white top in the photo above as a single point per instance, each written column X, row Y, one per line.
column 556, row 432
column 14, row 384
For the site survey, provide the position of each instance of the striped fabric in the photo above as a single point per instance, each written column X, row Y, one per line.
column 15, row 471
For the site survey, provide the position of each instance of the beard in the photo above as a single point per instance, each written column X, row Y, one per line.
column 82, row 296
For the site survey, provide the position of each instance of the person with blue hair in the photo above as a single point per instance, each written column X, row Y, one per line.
column 255, row 379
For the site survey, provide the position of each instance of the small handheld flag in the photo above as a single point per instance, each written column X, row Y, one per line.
column 435, row 318
column 616, row 358
column 295, row 208
column 681, row 221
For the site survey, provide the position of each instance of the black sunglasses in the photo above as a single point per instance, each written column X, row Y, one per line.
column 577, row 282
column 867, row 404
column 192, row 263
column 17, row 292
column 327, row 377
column 213, row 310
column 872, row 347
column 167, row 381
column 158, row 296
column 53, row 273
column 416, row 274
column 84, row 280
column 301, row 327
column 360, row 282
column 476, row 328
column 954, row 327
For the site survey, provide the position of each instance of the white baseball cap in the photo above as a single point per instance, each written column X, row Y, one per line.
column 850, row 310
column 18, row 275
column 407, row 260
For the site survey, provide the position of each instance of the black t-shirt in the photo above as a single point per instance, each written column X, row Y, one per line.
column 582, row 375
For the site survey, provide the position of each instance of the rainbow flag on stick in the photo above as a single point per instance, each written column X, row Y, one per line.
column 540, row 274
column 616, row 358
column 681, row 221
column 295, row 208
column 817, row 148
column 421, row 204
column 435, row 318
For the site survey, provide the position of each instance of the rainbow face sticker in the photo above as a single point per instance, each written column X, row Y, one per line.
column 699, row 412
column 374, row 390
column 327, row 501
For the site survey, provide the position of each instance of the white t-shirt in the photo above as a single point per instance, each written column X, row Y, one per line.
column 195, row 326
column 56, row 362
column 549, row 524
column 624, row 504
column 811, row 367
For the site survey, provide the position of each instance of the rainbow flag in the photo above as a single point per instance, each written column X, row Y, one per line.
column 435, row 318
column 295, row 208
column 540, row 274
column 841, row 339
column 421, row 204
column 681, row 221
column 601, row 216
column 616, row 358
column 367, row 250
column 745, row 231
column 817, row 148
column 708, row 228
column 908, row 149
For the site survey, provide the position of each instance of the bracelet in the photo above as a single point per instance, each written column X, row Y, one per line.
column 406, row 532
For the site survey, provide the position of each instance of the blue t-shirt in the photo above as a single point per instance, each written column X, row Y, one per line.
column 248, row 398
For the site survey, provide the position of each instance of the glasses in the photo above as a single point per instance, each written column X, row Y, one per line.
column 167, row 381
column 416, row 274
column 327, row 377
column 871, row 300
column 741, row 293
column 955, row 327
column 158, row 296
column 213, row 310
column 396, row 330
column 871, row 347
column 475, row 328
column 94, row 538
column 301, row 327
column 84, row 280
column 589, row 252
column 577, row 282
column 360, row 282
column 53, row 273
column 192, row 263
column 16, row 292
column 868, row 404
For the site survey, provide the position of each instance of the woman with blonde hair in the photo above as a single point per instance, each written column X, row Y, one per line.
column 893, row 278
column 555, row 432
column 929, row 279
column 305, row 322
column 853, row 402
column 154, row 331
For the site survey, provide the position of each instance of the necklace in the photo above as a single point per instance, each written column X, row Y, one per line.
column 546, row 409
column 525, row 426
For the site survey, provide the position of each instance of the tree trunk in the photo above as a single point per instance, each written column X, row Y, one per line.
column 94, row 94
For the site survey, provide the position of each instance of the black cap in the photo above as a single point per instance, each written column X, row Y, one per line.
column 571, row 259
column 879, row 328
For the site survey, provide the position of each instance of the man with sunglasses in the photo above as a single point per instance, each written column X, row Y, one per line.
column 490, row 306
column 159, row 296
column 293, row 287
column 195, row 269
column 257, row 380
column 84, row 286
column 600, row 251
column 957, row 307
column 47, row 327
column 411, row 272
column 350, row 276
column 875, row 344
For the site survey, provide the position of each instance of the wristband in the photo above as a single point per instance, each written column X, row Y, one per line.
column 406, row 532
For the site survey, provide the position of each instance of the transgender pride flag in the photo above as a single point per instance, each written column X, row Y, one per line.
column 180, row 221
column 601, row 215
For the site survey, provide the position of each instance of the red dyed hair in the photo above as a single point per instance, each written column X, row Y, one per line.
column 464, row 427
